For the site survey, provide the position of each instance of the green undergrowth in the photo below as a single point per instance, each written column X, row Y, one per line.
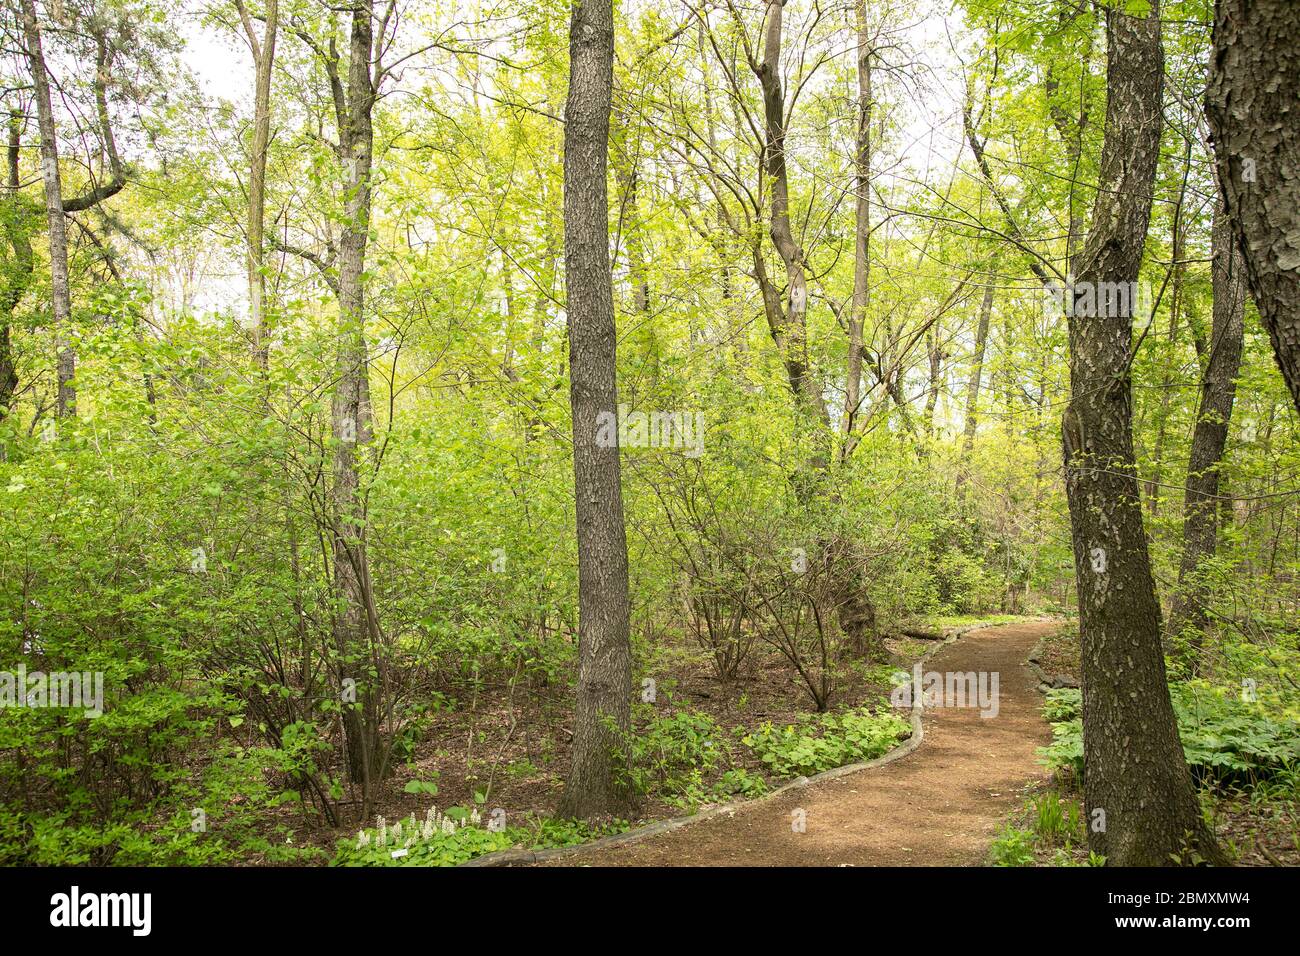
column 1049, row 828
column 826, row 741
column 689, row 760
column 458, row 836
column 1242, row 746
column 1227, row 737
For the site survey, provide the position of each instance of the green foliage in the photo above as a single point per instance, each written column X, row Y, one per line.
column 214, row 819
column 1063, row 703
column 679, row 756
column 458, row 836
column 670, row 749
column 1013, row 847
column 1228, row 736
column 427, row 787
column 826, row 741
column 1053, row 822
column 223, row 683
column 1065, row 752
column 1224, row 736
column 1057, row 820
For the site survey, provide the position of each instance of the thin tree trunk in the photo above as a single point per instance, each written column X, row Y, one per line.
column 60, row 290
column 595, row 787
column 792, row 336
column 1141, row 803
column 1218, row 390
column 1167, row 375
column 19, row 273
column 352, row 418
column 263, row 62
column 857, row 317
column 973, row 386
column 644, row 332
column 934, row 352
column 1253, row 108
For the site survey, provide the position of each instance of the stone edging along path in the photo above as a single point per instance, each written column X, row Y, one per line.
column 659, row 828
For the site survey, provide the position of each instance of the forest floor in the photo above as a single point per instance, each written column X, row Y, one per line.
column 941, row 805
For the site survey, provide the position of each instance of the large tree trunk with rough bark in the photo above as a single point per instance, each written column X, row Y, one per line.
column 60, row 288
column 1141, row 803
column 596, row 785
column 1253, row 107
column 1210, row 436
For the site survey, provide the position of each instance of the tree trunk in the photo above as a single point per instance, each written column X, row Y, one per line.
column 351, row 414
column 596, row 785
column 1253, row 108
column 1200, row 505
column 19, row 272
column 861, row 235
column 792, row 336
column 1141, row 803
column 263, row 61
column 973, row 386
column 60, row 290
column 644, row 333
column 934, row 352
column 1178, row 248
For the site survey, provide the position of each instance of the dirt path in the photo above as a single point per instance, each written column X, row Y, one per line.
column 941, row 805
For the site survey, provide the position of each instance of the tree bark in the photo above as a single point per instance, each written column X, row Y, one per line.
column 973, row 386
column 263, row 50
column 18, row 274
column 792, row 335
column 857, row 317
column 60, row 289
column 355, row 626
column 595, row 787
column 1210, row 436
column 1141, row 803
column 1253, row 108
column 935, row 354
column 1178, row 247
column 644, row 333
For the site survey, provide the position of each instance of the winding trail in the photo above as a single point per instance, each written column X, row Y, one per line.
column 940, row 805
